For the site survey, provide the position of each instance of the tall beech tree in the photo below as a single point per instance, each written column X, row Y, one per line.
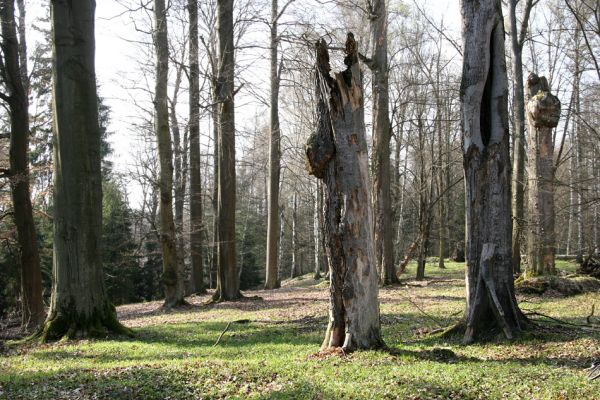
column 337, row 154
column 79, row 305
column 195, row 178
column 172, row 276
column 378, row 63
column 13, row 70
column 272, row 267
column 228, row 282
column 543, row 112
column 491, row 298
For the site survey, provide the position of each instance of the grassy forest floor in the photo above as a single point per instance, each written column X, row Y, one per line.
column 273, row 355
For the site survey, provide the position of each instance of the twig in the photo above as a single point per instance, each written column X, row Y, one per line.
column 237, row 321
column 222, row 333
column 562, row 322
column 588, row 318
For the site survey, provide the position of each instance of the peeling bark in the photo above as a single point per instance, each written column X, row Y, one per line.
column 491, row 301
column 543, row 112
column 337, row 153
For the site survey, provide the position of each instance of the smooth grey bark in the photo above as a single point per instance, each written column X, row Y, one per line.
column 578, row 145
column 543, row 112
column 491, row 301
column 196, row 223
column 13, row 69
column 384, row 252
column 79, row 306
column 317, row 210
column 180, row 153
column 517, row 40
column 337, row 154
column 281, row 237
column 171, row 275
column 272, row 267
column 295, row 271
column 228, row 284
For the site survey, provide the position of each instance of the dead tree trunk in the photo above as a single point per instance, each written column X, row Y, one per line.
column 491, row 301
column 14, row 74
column 543, row 112
column 337, row 153
column 80, row 306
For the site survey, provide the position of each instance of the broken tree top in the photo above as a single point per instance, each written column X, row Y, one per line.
column 543, row 106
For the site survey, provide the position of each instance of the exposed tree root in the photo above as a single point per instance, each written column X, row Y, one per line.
column 507, row 317
column 70, row 326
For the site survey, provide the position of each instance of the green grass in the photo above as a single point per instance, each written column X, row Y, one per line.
column 174, row 357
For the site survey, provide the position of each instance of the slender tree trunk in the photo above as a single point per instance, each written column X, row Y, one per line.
column 228, row 283
column 171, row 274
column 337, row 153
column 281, row 237
column 543, row 111
column 215, row 194
column 79, row 305
column 381, row 146
column 578, row 145
column 273, row 222
column 440, row 177
column 14, row 74
column 196, row 224
column 179, row 184
column 316, row 229
column 295, row 265
column 518, row 104
column 491, row 299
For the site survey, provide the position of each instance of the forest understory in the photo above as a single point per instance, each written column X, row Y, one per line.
column 266, row 347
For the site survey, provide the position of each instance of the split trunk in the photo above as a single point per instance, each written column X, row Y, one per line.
column 491, row 301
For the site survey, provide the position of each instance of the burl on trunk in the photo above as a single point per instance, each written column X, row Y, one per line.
column 337, row 154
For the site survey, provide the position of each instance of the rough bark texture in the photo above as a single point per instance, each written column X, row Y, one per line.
column 491, row 301
column 337, row 153
column 543, row 112
column 228, row 284
column 173, row 291
column 195, row 178
column 384, row 252
column 272, row 267
column 79, row 305
column 14, row 76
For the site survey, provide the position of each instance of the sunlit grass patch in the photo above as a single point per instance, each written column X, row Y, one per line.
column 174, row 354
